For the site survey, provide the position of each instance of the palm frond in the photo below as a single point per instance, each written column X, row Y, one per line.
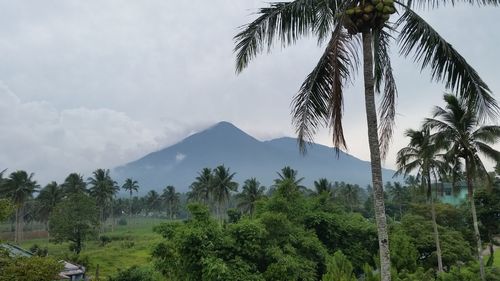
column 383, row 73
column 489, row 134
column 427, row 4
column 319, row 101
column 488, row 151
column 285, row 21
column 445, row 63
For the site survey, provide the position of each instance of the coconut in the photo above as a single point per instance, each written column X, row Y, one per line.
column 369, row 9
column 388, row 2
column 349, row 12
column 380, row 7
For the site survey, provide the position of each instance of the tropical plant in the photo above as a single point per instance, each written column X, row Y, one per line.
column 399, row 195
column 323, row 186
column 251, row 192
column 102, row 188
column 422, row 156
column 222, row 186
column 287, row 173
column 130, row 186
column 458, row 128
column 172, row 200
column 74, row 183
column 19, row 188
column 153, row 201
column 47, row 199
column 364, row 27
column 201, row 187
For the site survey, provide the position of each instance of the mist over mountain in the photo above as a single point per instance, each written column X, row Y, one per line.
column 225, row 144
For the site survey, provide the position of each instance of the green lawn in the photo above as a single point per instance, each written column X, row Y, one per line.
column 497, row 258
column 132, row 245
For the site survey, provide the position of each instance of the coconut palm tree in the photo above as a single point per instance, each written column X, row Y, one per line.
column 364, row 28
column 251, row 193
column 323, row 186
column 201, row 187
column 222, row 186
column 153, row 201
column 47, row 199
column 171, row 199
column 459, row 129
column 103, row 189
column 74, row 183
column 287, row 173
column 422, row 156
column 398, row 195
column 130, row 186
column 19, row 187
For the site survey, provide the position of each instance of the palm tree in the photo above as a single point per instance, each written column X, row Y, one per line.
column 422, row 155
column 222, row 186
column 323, row 186
column 287, row 173
column 102, row 189
column 153, row 201
column 350, row 194
column 171, row 199
column 458, row 128
column 19, row 187
column 130, row 186
column 398, row 194
column 251, row 193
column 74, row 183
column 202, row 186
column 47, row 199
column 320, row 99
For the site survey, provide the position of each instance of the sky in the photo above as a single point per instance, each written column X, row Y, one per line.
column 99, row 83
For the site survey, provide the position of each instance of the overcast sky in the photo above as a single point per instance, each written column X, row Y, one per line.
column 97, row 83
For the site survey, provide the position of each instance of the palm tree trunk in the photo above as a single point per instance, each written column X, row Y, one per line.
column 434, row 224
column 16, row 230
column 376, row 167
column 470, row 190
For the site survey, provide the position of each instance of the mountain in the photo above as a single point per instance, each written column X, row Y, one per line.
column 225, row 144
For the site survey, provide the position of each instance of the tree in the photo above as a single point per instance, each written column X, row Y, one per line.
column 458, row 128
column 202, row 186
column 102, row 189
column 323, row 186
column 488, row 213
column 19, row 187
column 47, row 199
column 74, row 183
column 349, row 194
column 422, row 156
column 130, row 186
column 171, row 199
column 251, row 192
column 29, row 269
column 399, row 195
column 222, row 186
column 320, row 99
column 75, row 219
column 153, row 201
column 287, row 173
column 5, row 209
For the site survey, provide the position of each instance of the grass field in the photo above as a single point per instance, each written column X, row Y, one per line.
column 132, row 245
column 497, row 258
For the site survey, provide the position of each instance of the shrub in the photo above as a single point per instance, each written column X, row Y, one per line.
column 122, row 221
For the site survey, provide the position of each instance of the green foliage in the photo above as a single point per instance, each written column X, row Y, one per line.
column 39, row 251
column 339, row 268
column 74, row 219
column 404, row 254
column 135, row 274
column 29, row 269
column 6, row 209
column 122, row 221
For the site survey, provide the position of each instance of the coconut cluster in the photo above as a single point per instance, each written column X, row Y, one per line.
column 368, row 14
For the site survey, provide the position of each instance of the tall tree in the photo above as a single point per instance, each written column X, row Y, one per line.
column 74, row 183
column 47, row 199
column 222, row 186
column 202, row 186
column 103, row 189
column 251, row 192
column 398, row 194
column 323, row 186
column 19, row 187
column 287, row 173
column 356, row 27
column 171, row 199
column 458, row 127
column 422, row 155
column 153, row 201
column 130, row 186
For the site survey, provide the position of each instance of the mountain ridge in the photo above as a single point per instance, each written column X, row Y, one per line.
column 225, row 144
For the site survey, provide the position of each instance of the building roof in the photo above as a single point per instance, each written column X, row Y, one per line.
column 15, row 251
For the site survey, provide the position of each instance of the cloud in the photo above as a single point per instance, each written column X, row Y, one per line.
column 179, row 157
column 53, row 143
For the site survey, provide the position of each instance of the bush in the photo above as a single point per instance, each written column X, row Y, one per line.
column 122, row 221
column 134, row 274
column 104, row 240
column 127, row 244
column 39, row 251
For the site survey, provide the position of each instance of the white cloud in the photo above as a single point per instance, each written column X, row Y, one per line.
column 52, row 143
column 179, row 157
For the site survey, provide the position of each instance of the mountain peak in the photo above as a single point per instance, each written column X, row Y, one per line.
column 224, row 125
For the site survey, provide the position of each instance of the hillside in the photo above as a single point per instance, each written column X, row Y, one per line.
column 225, row 144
